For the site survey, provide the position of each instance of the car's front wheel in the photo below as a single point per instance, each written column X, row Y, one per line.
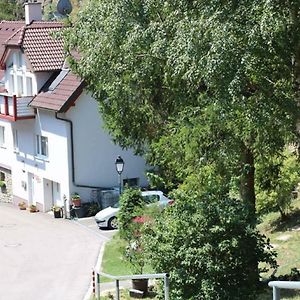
column 113, row 223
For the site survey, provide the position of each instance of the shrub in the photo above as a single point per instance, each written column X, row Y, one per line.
column 208, row 247
column 131, row 220
column 2, row 184
column 277, row 194
column 131, row 205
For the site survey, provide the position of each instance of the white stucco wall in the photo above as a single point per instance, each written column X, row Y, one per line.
column 27, row 166
column 35, row 177
column 6, row 155
column 94, row 151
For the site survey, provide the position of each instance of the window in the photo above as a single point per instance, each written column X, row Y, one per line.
column 19, row 59
column 20, row 85
column 29, row 86
column 131, row 182
column 15, row 140
column 2, row 136
column 42, row 145
column 11, row 84
column 151, row 199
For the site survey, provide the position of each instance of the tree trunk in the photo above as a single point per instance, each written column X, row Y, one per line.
column 247, row 194
column 247, row 189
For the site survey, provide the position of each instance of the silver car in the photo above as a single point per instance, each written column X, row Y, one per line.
column 108, row 217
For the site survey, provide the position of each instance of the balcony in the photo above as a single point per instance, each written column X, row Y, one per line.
column 15, row 108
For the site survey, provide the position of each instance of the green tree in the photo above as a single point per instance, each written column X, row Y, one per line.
column 207, row 89
column 278, row 178
column 161, row 68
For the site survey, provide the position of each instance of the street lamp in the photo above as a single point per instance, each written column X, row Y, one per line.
column 119, row 163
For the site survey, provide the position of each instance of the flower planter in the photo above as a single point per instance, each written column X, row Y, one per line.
column 76, row 202
column 58, row 213
column 140, row 284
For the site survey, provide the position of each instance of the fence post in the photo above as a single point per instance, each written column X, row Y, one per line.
column 94, row 284
column 98, row 286
column 276, row 293
column 117, row 290
column 167, row 286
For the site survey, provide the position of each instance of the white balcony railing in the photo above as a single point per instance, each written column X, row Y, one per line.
column 15, row 108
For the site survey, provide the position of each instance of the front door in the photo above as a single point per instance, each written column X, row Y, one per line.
column 32, row 189
column 56, row 193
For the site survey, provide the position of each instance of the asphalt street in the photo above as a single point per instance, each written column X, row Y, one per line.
column 42, row 258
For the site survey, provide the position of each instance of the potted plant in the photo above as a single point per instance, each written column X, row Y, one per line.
column 76, row 200
column 33, row 208
column 22, row 205
column 2, row 186
column 135, row 255
column 57, row 211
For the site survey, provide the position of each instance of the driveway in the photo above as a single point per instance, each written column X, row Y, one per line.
column 44, row 258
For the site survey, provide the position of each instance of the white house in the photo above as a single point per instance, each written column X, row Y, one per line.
column 52, row 143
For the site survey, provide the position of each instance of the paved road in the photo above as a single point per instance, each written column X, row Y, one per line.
column 42, row 258
column 91, row 225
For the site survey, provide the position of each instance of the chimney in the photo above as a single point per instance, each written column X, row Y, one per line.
column 33, row 11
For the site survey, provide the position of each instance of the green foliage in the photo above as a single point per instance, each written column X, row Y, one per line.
column 131, row 204
column 200, row 83
column 2, row 184
column 278, row 179
column 208, row 247
column 11, row 10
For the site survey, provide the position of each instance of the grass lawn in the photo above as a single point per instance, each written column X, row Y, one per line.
column 113, row 262
column 285, row 238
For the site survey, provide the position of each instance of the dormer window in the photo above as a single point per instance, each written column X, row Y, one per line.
column 19, row 60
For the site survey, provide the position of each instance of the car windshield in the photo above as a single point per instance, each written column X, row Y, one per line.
column 116, row 205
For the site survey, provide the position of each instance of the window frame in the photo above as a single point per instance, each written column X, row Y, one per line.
column 15, row 140
column 2, row 136
column 42, row 146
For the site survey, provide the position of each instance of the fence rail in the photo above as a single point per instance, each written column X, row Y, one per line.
column 277, row 285
column 164, row 276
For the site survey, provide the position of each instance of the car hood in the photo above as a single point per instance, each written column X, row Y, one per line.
column 107, row 212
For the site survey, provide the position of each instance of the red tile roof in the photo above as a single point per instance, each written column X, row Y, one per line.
column 7, row 29
column 44, row 51
column 60, row 93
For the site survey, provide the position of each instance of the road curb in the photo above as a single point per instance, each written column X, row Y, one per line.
column 97, row 267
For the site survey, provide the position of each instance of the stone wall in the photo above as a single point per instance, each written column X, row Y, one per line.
column 6, row 192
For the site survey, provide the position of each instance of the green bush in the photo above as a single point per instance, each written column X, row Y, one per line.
column 130, row 218
column 2, row 184
column 275, row 194
column 131, row 205
column 208, row 247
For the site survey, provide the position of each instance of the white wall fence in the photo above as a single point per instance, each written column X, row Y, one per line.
column 277, row 285
column 117, row 279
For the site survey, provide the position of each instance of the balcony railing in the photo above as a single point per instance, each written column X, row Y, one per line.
column 15, row 108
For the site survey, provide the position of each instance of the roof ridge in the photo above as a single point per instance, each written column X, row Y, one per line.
column 17, row 22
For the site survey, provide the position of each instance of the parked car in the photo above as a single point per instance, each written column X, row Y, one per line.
column 108, row 217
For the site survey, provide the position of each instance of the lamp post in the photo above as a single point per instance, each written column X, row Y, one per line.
column 119, row 163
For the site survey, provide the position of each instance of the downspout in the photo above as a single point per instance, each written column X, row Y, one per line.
column 73, row 156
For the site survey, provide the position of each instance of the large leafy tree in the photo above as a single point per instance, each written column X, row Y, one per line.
column 215, row 82
column 207, row 89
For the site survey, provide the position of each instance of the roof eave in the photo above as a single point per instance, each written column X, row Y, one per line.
column 70, row 102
